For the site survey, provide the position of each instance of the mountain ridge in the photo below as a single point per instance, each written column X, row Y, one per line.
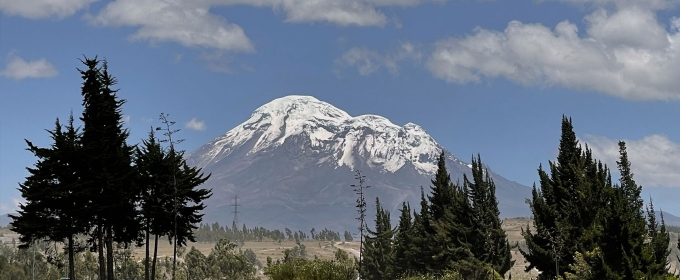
column 295, row 157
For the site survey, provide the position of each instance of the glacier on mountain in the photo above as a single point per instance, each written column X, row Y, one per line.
column 345, row 139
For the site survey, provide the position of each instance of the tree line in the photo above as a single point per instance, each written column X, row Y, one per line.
column 90, row 182
column 457, row 230
column 214, row 232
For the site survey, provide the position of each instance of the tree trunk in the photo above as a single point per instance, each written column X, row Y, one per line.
column 102, row 265
column 71, row 262
column 155, row 252
column 146, row 259
column 109, row 253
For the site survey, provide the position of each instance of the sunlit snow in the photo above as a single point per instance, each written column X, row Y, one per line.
column 371, row 138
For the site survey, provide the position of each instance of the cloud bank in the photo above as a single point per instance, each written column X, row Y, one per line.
column 626, row 53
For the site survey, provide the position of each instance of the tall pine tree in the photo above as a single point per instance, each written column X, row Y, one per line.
column 489, row 241
column 54, row 202
column 566, row 208
column 404, row 257
column 378, row 251
column 109, row 176
column 623, row 230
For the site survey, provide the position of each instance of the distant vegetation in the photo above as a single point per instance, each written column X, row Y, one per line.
column 91, row 198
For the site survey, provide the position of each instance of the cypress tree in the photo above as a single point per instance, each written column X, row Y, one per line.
column 109, row 177
column 378, row 250
column 624, row 229
column 489, row 241
column 190, row 200
column 442, row 224
column 53, row 208
column 567, row 208
column 657, row 249
column 421, row 240
column 404, row 258
column 155, row 191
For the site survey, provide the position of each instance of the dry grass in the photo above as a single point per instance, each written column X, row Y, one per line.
column 322, row 249
column 326, row 250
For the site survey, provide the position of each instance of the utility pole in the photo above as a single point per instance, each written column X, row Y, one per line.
column 168, row 133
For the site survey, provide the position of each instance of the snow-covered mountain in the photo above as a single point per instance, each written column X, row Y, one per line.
column 291, row 164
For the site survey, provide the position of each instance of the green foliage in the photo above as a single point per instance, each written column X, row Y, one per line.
column 403, row 255
column 567, row 207
column 301, row 269
column 489, row 242
column 225, row 263
column 342, row 256
column 589, row 228
column 378, row 250
column 463, row 271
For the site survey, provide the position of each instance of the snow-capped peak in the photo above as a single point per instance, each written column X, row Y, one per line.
column 337, row 137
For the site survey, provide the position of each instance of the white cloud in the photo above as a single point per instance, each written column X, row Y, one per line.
column 627, row 53
column 343, row 13
column 195, row 125
column 19, row 69
column 654, row 158
column 187, row 22
column 647, row 4
column 367, row 61
column 126, row 119
column 36, row 9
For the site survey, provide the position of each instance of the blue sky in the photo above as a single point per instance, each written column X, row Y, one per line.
column 488, row 77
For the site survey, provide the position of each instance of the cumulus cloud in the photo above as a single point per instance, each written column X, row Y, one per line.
column 186, row 22
column 19, row 69
column 36, row 9
column 654, row 158
column 343, row 13
column 368, row 61
column 190, row 22
column 195, row 125
column 626, row 53
column 647, row 4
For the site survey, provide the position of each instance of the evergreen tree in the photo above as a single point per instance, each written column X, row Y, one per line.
column 54, row 203
column 190, row 201
column 421, row 240
column 155, row 193
column 378, row 252
column 108, row 158
column 657, row 250
column 567, row 208
column 624, row 230
column 404, row 258
column 444, row 226
column 489, row 241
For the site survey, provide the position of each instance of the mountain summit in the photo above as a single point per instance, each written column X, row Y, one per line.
column 291, row 164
